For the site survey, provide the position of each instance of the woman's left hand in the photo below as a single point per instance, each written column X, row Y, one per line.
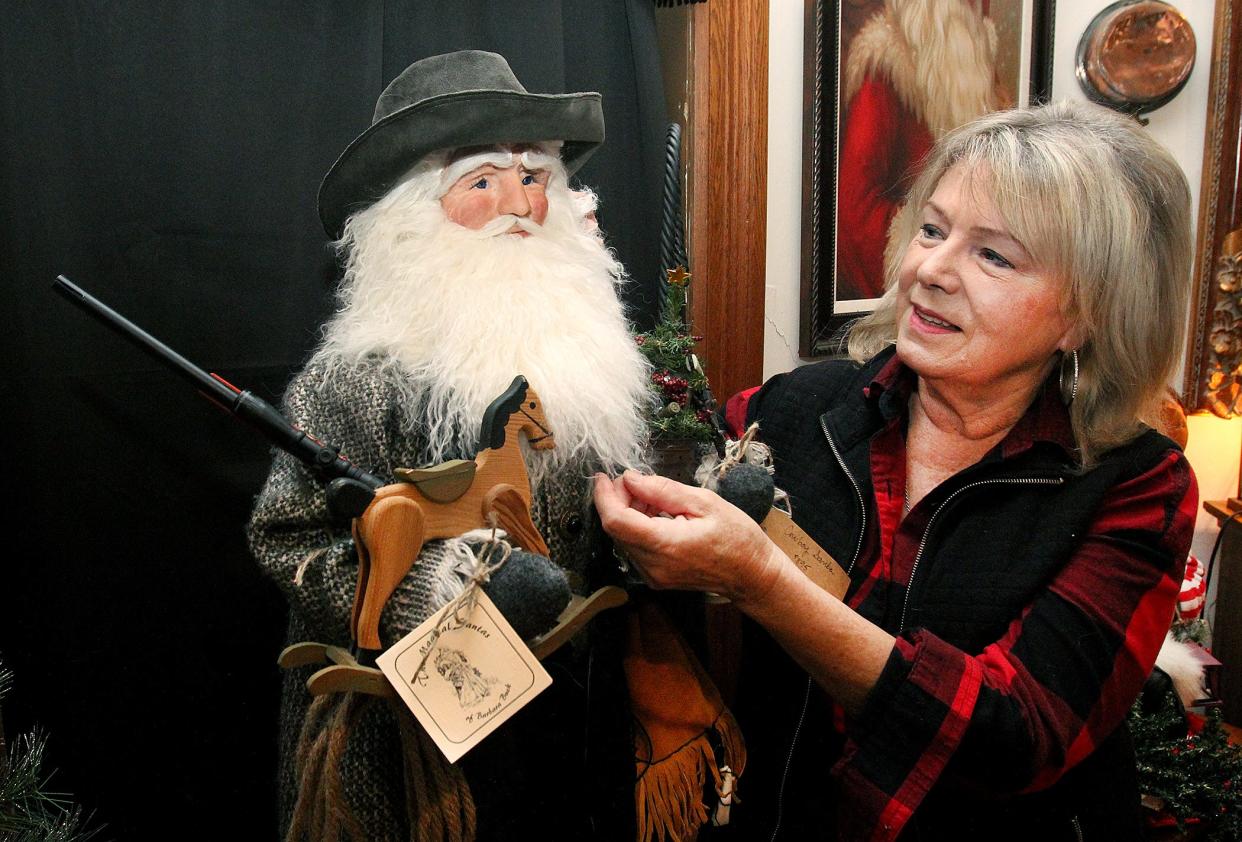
column 687, row 538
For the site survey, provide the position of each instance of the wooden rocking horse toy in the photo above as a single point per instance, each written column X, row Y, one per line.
column 445, row 501
column 448, row 500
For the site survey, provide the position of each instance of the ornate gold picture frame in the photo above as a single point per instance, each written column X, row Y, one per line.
column 1214, row 354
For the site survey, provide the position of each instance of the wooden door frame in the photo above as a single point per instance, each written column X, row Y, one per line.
column 728, row 176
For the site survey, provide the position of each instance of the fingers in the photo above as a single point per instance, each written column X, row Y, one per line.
column 615, row 507
column 631, row 521
column 679, row 536
column 610, row 494
column 662, row 495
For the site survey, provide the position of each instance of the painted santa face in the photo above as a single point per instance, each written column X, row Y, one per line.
column 503, row 184
column 975, row 309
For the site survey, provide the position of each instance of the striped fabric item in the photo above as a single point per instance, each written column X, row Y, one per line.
column 1194, row 591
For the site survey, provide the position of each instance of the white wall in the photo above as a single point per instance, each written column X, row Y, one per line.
column 1180, row 124
column 784, row 247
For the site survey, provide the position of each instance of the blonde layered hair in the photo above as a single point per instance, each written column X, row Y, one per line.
column 1097, row 202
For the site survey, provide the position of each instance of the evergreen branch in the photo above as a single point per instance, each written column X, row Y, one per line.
column 1195, row 777
column 678, row 390
column 29, row 811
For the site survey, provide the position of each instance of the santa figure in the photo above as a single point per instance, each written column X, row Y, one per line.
column 468, row 260
column 915, row 70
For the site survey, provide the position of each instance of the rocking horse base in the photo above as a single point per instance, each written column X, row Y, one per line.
column 345, row 674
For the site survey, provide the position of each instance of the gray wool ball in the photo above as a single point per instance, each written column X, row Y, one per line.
column 530, row 591
column 750, row 488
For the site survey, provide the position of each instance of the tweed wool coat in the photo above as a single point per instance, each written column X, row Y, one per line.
column 562, row 767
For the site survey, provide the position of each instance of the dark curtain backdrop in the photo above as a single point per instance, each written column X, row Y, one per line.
column 165, row 156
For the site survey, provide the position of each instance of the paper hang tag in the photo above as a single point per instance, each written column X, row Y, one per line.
column 478, row 675
column 810, row 557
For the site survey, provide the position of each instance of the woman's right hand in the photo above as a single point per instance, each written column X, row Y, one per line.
column 687, row 538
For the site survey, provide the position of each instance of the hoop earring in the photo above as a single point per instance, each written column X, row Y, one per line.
column 1069, row 390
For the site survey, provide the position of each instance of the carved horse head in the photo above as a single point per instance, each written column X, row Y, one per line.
column 517, row 410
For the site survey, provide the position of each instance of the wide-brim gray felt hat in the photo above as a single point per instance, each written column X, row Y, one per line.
column 450, row 101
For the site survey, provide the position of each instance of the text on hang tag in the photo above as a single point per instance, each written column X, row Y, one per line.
column 474, row 676
column 809, row 556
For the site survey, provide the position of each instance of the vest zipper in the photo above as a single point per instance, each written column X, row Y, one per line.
column 1077, row 828
column 862, row 504
column 806, row 700
column 918, row 556
column 780, row 794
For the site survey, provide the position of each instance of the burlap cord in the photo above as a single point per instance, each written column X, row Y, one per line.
column 439, row 805
column 458, row 610
column 743, row 451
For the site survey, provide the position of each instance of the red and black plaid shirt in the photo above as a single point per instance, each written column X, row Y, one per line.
column 931, row 694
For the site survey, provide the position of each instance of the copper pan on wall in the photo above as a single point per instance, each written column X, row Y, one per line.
column 1135, row 55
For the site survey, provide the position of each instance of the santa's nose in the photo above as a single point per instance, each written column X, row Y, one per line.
column 513, row 199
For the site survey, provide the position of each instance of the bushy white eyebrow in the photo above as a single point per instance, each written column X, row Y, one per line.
column 539, row 159
column 532, row 159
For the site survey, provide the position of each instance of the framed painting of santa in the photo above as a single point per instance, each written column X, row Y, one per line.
column 883, row 79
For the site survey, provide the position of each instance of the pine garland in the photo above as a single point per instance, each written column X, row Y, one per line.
column 1194, row 779
column 28, row 811
column 681, row 404
column 1196, row 631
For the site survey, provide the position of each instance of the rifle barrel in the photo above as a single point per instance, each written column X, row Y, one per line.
column 214, row 387
column 325, row 460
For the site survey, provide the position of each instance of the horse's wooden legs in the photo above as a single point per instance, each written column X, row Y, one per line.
column 389, row 537
column 513, row 515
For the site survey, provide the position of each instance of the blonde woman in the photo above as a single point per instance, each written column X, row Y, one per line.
column 1013, row 529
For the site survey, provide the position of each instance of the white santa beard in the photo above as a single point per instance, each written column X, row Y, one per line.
column 939, row 56
column 462, row 312
column 954, row 49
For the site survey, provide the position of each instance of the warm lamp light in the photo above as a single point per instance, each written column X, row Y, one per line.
column 1215, row 452
column 1223, row 395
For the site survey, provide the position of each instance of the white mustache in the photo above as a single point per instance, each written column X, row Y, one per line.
column 505, row 224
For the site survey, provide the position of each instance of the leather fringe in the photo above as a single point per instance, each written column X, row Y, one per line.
column 669, row 792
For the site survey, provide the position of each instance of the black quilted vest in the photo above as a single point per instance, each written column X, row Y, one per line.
column 1000, row 530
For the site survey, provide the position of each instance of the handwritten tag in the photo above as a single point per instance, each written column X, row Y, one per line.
column 810, row 557
column 476, row 676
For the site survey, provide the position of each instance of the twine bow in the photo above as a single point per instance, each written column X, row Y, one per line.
column 457, row 612
column 735, row 451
